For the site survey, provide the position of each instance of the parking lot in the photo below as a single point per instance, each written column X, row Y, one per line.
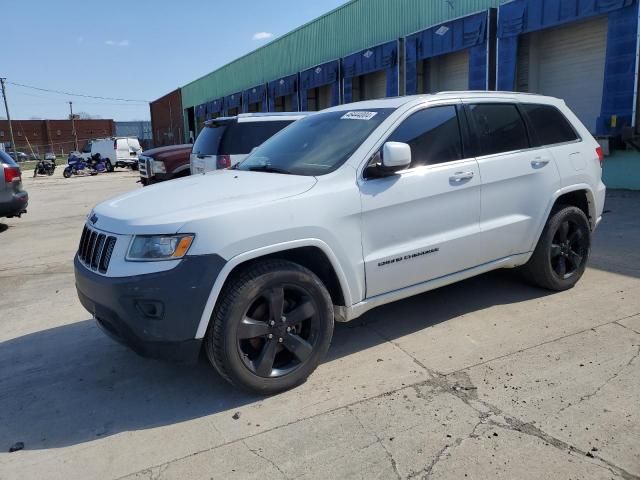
column 487, row 378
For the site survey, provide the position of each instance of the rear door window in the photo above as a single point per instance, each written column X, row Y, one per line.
column 240, row 138
column 549, row 125
column 499, row 128
column 433, row 135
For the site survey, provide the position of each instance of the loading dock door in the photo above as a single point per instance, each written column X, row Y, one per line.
column 566, row 62
column 449, row 72
column 370, row 86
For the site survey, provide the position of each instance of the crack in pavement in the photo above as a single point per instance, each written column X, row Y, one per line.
column 275, row 465
column 389, row 455
column 597, row 390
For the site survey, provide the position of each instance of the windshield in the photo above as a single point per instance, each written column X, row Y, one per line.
column 317, row 144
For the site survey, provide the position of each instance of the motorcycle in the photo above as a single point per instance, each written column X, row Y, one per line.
column 44, row 167
column 93, row 165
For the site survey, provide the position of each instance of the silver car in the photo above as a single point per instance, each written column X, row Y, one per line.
column 13, row 199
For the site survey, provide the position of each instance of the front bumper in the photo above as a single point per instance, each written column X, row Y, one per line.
column 156, row 314
column 16, row 206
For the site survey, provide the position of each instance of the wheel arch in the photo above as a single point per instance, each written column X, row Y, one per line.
column 579, row 195
column 310, row 253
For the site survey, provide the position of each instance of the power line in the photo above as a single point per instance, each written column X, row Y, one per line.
column 77, row 94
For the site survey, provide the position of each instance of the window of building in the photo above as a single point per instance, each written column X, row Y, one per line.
column 549, row 125
column 500, row 128
column 433, row 135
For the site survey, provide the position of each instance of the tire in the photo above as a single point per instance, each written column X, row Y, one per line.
column 562, row 252
column 66, row 173
column 134, row 167
column 108, row 165
column 242, row 352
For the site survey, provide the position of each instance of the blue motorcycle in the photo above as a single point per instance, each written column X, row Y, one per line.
column 93, row 165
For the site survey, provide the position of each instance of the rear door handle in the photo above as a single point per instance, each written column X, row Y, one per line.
column 539, row 162
column 460, row 177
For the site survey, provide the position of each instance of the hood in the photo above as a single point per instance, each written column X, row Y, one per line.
column 166, row 206
column 162, row 151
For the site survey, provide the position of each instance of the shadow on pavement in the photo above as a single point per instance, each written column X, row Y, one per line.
column 72, row 384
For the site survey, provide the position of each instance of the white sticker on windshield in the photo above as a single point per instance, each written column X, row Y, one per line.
column 359, row 115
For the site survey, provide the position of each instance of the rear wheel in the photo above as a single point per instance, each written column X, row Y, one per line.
column 108, row 165
column 561, row 254
column 271, row 327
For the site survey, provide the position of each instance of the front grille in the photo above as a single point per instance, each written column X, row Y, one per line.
column 95, row 249
column 143, row 167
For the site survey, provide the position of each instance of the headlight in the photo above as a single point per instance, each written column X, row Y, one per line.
column 159, row 247
column 158, row 166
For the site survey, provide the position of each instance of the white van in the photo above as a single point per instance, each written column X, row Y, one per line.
column 117, row 151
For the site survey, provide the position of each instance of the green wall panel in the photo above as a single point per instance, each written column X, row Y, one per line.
column 354, row 26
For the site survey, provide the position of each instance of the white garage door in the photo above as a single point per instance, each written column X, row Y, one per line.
column 449, row 72
column 568, row 63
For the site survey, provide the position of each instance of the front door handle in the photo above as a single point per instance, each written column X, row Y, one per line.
column 539, row 162
column 459, row 177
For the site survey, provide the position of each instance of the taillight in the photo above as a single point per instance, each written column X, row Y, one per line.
column 10, row 173
column 115, row 144
column 600, row 154
column 223, row 161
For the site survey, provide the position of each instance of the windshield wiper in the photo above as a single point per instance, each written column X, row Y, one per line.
column 268, row 168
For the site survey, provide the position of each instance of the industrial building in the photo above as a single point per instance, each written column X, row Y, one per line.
column 584, row 51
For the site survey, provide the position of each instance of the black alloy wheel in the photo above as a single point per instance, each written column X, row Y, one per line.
column 568, row 248
column 271, row 326
column 561, row 254
column 279, row 331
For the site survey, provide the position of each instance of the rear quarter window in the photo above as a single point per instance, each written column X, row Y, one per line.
column 548, row 124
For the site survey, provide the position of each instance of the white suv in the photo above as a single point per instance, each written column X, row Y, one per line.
column 347, row 209
column 226, row 141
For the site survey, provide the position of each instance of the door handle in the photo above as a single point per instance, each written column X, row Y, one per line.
column 539, row 162
column 460, row 177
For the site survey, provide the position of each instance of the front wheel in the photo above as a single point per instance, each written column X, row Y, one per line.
column 271, row 327
column 66, row 173
column 561, row 255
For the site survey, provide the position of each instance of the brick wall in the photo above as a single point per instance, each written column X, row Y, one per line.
column 42, row 136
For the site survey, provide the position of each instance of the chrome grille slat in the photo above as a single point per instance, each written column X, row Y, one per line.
column 95, row 249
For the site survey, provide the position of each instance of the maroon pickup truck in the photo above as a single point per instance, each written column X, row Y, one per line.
column 164, row 163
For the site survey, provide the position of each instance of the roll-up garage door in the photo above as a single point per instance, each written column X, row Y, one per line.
column 567, row 62
column 370, row 86
column 449, row 72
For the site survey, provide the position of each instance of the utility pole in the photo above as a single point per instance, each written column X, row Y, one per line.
column 6, row 107
column 73, row 126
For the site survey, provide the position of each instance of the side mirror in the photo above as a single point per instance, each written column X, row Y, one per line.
column 396, row 156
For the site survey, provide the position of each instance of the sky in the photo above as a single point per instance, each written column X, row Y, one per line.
column 135, row 49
